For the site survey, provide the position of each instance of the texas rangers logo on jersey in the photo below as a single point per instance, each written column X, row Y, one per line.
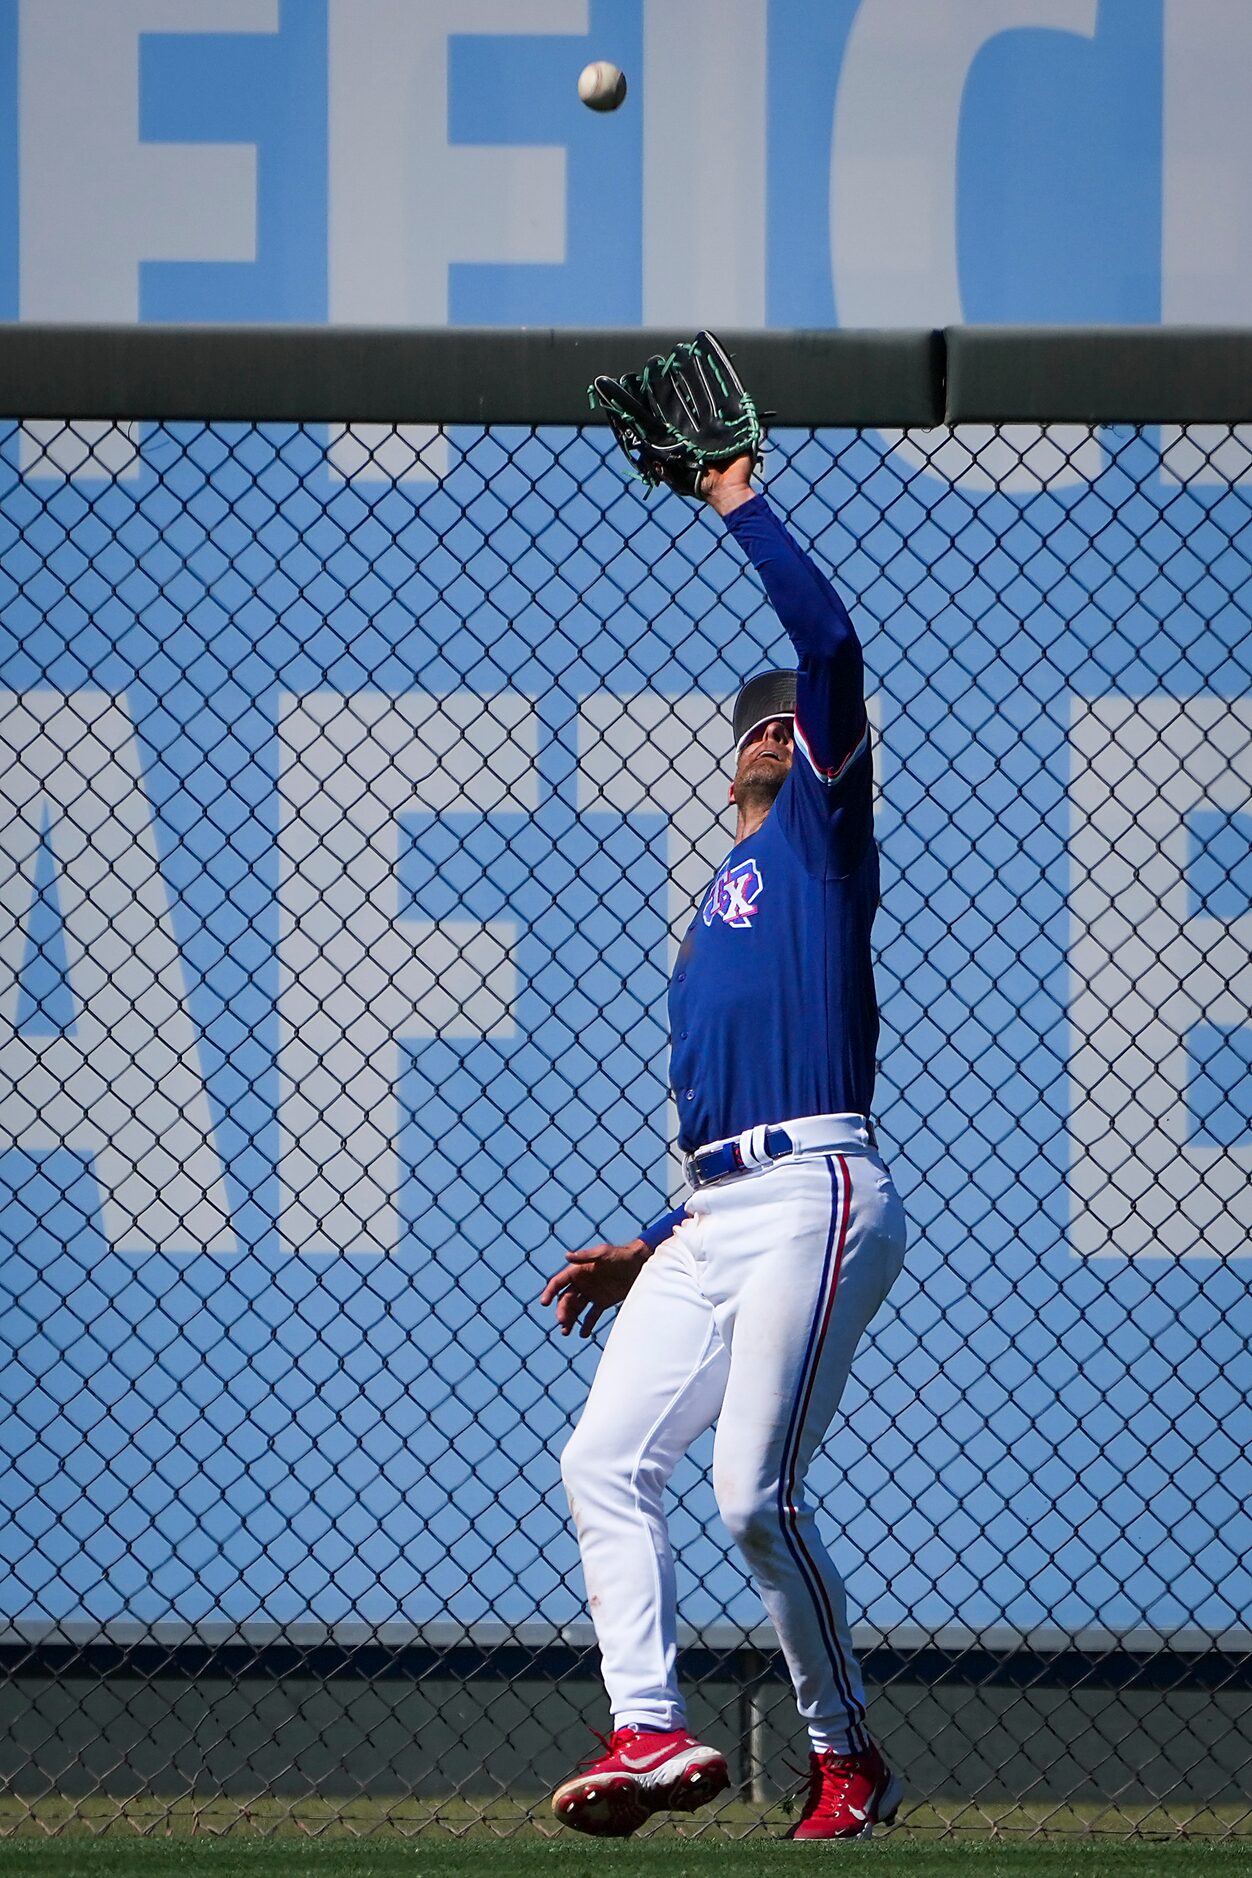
column 735, row 895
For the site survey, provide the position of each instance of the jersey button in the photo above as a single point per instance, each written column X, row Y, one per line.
column 691, row 1095
column 681, row 977
column 683, row 1035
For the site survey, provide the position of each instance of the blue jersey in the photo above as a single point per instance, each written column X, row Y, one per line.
column 771, row 1005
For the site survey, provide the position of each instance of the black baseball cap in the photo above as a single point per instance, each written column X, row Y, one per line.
column 769, row 694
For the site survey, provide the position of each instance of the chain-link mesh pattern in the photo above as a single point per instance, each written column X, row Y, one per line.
column 354, row 791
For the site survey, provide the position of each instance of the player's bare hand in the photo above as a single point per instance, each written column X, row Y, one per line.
column 728, row 488
column 592, row 1281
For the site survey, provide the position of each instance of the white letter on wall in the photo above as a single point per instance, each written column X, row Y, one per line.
column 704, row 191
column 1145, row 971
column 126, row 1086
column 893, row 207
column 405, row 203
column 95, row 201
column 355, row 982
column 653, row 755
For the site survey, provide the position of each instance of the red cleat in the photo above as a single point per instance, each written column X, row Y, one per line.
column 849, row 1794
column 642, row 1773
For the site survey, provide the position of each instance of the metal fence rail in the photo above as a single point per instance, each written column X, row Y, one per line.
column 356, row 782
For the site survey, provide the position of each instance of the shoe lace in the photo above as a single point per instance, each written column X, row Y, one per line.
column 606, row 1747
column 831, row 1775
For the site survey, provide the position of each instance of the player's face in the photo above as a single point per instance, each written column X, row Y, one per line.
column 765, row 759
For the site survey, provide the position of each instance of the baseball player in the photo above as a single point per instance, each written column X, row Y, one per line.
column 744, row 1306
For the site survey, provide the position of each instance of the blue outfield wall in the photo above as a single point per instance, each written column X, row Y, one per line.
column 1056, row 175
column 1034, row 1435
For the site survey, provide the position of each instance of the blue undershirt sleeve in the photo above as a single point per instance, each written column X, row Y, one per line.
column 660, row 1229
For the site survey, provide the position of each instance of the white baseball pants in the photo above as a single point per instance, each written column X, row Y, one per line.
column 747, row 1316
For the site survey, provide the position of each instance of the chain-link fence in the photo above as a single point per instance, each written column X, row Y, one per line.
column 356, row 786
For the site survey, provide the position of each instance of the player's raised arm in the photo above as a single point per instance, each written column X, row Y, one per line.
column 831, row 728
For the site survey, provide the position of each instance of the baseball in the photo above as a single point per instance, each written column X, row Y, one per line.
column 601, row 86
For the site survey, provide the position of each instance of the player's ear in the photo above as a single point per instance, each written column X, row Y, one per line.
column 730, row 795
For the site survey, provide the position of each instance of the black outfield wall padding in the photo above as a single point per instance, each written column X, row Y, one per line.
column 915, row 377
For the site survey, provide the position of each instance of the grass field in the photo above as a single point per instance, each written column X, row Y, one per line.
column 310, row 1838
column 665, row 1855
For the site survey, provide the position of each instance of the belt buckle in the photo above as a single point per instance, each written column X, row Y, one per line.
column 705, row 1166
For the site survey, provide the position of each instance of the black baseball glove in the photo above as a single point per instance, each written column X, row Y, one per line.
column 684, row 412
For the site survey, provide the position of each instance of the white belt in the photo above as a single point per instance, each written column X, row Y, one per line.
column 757, row 1147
